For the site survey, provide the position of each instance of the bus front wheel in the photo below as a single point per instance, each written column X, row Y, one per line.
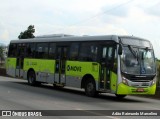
column 90, row 88
column 31, row 78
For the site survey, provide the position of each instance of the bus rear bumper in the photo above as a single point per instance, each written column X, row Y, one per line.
column 124, row 89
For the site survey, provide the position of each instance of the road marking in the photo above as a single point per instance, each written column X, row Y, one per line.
column 112, row 117
column 79, row 109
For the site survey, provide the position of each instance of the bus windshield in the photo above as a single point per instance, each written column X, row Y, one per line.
column 139, row 61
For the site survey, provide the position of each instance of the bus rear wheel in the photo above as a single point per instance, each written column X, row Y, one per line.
column 120, row 96
column 31, row 78
column 90, row 88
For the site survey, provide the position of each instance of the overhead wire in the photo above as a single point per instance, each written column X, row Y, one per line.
column 97, row 15
column 103, row 13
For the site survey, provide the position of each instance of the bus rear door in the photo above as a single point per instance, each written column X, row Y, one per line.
column 60, row 77
column 20, row 60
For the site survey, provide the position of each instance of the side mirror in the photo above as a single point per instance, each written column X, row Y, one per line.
column 120, row 49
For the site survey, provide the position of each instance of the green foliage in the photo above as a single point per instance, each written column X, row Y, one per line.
column 27, row 33
column 1, row 54
column 158, row 73
column 1, row 51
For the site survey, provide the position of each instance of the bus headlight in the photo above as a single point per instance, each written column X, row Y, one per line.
column 124, row 80
column 154, row 81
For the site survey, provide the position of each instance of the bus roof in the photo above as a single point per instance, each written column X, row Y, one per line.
column 68, row 38
column 65, row 37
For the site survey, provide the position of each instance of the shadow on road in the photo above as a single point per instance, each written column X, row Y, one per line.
column 58, row 92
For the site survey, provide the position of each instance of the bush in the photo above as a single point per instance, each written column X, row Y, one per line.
column 158, row 73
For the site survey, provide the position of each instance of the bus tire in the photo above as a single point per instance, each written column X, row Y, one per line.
column 120, row 96
column 90, row 88
column 31, row 78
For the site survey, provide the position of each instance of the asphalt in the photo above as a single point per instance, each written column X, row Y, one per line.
column 16, row 94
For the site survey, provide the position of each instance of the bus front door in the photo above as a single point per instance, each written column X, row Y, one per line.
column 60, row 77
column 107, row 62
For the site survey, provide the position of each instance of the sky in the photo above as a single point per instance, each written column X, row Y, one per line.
column 139, row 18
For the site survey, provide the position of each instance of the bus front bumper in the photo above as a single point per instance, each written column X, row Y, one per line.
column 124, row 90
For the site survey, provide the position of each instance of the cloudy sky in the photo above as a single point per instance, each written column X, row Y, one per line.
column 82, row 17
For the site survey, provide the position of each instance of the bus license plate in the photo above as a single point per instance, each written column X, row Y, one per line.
column 140, row 90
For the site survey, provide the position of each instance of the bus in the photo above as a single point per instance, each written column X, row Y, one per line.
column 121, row 65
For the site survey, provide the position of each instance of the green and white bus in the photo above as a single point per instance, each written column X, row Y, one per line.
column 120, row 65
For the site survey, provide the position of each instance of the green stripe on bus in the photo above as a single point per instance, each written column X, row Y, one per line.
column 11, row 63
column 79, row 69
column 39, row 65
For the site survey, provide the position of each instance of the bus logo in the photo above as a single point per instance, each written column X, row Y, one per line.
column 74, row 68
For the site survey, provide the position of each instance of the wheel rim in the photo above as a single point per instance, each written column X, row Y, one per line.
column 31, row 78
column 90, row 87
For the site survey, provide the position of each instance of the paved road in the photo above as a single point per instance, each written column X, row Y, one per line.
column 16, row 94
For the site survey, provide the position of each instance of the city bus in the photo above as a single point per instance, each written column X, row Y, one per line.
column 121, row 65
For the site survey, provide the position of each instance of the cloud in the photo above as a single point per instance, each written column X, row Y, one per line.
column 4, row 36
column 150, row 7
column 81, row 17
column 117, row 10
column 154, row 10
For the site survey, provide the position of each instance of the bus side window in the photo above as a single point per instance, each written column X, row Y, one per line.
column 94, row 52
column 30, row 51
column 88, row 52
column 73, row 55
column 42, row 50
column 110, row 53
column 22, row 50
column 85, row 52
column 104, row 52
column 12, row 50
column 52, row 49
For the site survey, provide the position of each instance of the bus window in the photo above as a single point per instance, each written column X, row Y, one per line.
column 42, row 50
column 88, row 52
column 110, row 52
column 104, row 52
column 65, row 53
column 94, row 51
column 21, row 53
column 74, row 51
column 52, row 49
column 30, row 50
column 12, row 50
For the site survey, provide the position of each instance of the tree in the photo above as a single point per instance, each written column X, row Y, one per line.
column 27, row 33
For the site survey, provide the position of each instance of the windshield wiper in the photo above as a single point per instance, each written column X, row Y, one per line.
column 135, row 54
column 132, row 51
